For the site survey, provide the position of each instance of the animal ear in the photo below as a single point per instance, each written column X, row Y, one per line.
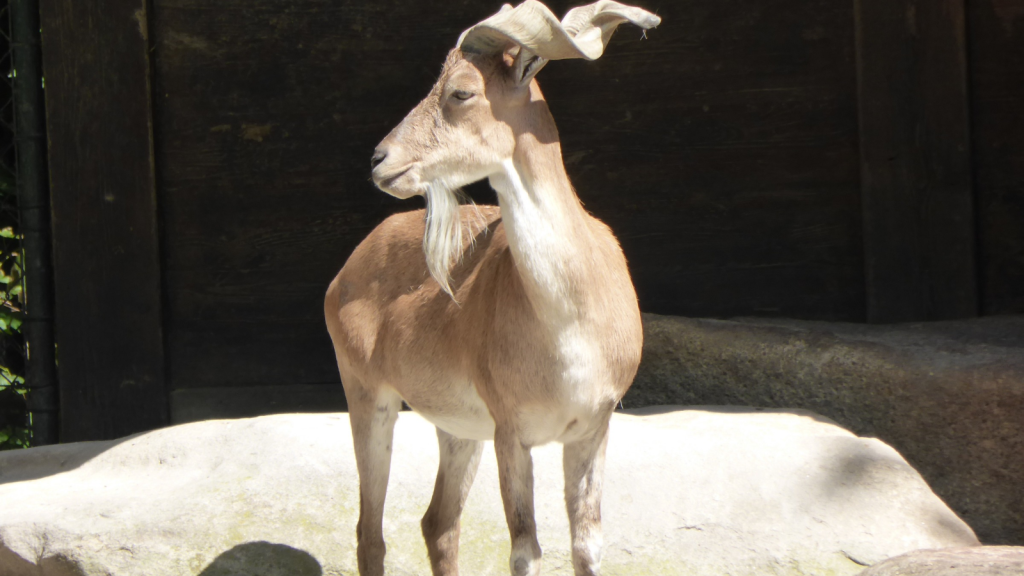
column 525, row 66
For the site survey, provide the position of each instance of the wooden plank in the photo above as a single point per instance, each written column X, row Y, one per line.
column 193, row 405
column 996, row 48
column 722, row 151
column 239, row 352
column 107, row 276
column 915, row 154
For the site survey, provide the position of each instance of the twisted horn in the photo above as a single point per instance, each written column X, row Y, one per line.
column 583, row 33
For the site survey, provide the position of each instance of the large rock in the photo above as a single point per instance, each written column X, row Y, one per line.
column 974, row 561
column 948, row 395
column 696, row 492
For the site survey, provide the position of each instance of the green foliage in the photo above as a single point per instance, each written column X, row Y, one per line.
column 14, row 417
column 15, row 420
column 10, row 322
column 10, row 278
column 14, row 437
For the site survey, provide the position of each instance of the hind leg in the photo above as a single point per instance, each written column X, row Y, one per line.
column 455, row 474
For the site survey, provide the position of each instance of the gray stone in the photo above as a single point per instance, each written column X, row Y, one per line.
column 974, row 561
column 695, row 492
column 949, row 396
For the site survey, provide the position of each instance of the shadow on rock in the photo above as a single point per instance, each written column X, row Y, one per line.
column 59, row 565
column 263, row 559
column 43, row 461
column 726, row 409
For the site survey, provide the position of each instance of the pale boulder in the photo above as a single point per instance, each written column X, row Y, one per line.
column 696, row 491
column 949, row 396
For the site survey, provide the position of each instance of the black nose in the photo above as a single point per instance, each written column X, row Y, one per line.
column 378, row 157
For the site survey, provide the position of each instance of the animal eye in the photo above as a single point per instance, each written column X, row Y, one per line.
column 462, row 95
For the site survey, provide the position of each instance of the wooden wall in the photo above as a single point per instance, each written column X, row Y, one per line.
column 723, row 151
column 781, row 158
column 919, row 238
column 996, row 48
column 105, row 235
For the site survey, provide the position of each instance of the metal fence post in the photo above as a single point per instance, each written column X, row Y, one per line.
column 34, row 208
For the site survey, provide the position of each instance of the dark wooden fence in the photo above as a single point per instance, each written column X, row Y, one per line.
column 825, row 159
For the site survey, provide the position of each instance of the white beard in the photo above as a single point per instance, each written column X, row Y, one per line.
column 442, row 239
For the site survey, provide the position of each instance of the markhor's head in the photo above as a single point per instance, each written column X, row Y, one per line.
column 486, row 96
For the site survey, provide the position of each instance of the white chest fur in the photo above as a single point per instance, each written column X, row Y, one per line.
column 539, row 227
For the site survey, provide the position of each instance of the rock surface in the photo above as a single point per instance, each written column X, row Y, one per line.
column 695, row 492
column 974, row 561
column 949, row 396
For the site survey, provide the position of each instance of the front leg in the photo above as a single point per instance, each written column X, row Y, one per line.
column 459, row 462
column 583, row 466
column 372, row 414
column 515, row 475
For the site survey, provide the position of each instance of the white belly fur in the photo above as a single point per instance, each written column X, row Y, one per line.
column 465, row 416
column 570, row 417
column 539, row 427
